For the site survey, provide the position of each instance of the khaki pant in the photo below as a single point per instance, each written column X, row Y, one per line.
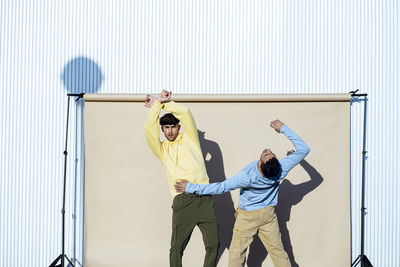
column 264, row 223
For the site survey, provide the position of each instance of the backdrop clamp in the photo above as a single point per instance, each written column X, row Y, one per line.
column 78, row 95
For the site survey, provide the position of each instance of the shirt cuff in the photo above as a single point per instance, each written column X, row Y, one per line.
column 283, row 128
column 188, row 188
column 157, row 106
column 168, row 105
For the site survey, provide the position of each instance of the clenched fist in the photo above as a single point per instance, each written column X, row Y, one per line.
column 277, row 125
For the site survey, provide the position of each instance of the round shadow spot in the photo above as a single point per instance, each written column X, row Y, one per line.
column 82, row 75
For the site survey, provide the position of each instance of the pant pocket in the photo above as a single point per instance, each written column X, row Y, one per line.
column 175, row 202
column 211, row 201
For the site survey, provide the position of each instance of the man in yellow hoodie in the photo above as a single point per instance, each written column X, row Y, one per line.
column 181, row 155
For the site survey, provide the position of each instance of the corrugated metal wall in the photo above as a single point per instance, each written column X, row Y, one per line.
column 50, row 47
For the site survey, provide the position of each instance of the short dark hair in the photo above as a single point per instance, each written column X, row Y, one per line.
column 271, row 168
column 168, row 119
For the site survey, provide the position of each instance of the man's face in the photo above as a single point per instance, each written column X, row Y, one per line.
column 267, row 155
column 171, row 131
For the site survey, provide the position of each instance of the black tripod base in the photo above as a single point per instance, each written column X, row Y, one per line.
column 61, row 258
column 363, row 260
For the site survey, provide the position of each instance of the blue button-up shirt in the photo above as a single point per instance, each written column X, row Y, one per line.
column 256, row 191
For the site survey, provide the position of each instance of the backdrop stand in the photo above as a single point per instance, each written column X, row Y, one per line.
column 362, row 258
column 64, row 256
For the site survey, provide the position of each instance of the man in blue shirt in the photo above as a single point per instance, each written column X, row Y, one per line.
column 259, row 185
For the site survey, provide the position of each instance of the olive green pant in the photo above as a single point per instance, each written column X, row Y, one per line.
column 190, row 210
column 264, row 223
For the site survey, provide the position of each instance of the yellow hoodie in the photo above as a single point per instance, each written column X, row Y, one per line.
column 182, row 158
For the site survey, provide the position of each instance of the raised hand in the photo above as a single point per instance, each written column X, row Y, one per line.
column 165, row 96
column 180, row 186
column 149, row 101
column 277, row 125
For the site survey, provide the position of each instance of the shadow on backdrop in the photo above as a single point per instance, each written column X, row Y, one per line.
column 289, row 196
column 82, row 75
column 224, row 207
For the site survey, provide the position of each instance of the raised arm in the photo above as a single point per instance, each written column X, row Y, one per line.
column 238, row 181
column 152, row 125
column 301, row 151
column 185, row 116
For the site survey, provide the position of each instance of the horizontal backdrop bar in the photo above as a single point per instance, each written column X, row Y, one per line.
column 226, row 98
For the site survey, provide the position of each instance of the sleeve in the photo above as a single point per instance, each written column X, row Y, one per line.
column 301, row 152
column 151, row 129
column 240, row 180
column 185, row 116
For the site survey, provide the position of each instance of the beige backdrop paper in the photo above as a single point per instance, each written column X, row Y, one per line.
column 128, row 206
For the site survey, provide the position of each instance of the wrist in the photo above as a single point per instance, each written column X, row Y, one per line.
column 165, row 100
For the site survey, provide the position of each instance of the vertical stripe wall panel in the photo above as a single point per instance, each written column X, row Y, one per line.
column 49, row 48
